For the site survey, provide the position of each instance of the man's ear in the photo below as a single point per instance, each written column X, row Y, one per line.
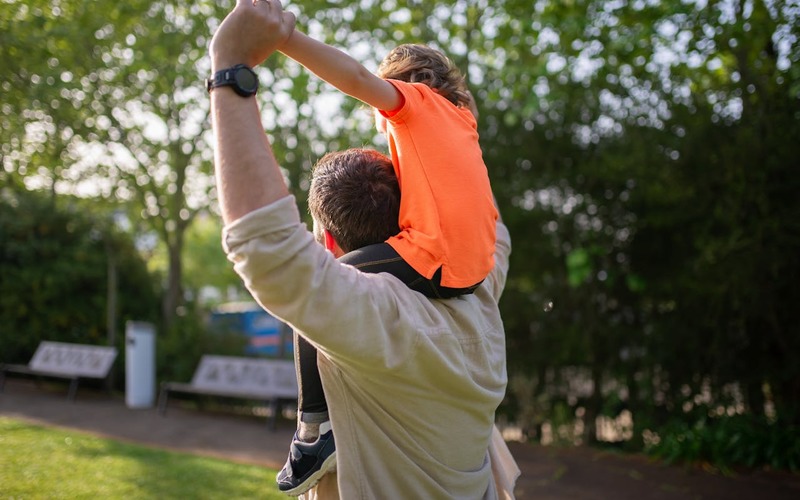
column 330, row 242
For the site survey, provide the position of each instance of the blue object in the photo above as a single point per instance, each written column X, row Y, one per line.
column 266, row 335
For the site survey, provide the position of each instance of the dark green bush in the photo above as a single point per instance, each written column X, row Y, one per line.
column 54, row 258
column 730, row 441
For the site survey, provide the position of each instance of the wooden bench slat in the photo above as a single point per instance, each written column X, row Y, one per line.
column 269, row 380
column 65, row 360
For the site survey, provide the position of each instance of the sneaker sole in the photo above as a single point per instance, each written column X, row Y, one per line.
column 329, row 465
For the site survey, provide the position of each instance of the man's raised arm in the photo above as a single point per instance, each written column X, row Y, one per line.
column 248, row 175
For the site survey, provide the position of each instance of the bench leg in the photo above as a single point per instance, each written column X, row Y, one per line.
column 73, row 389
column 276, row 405
column 162, row 401
column 2, row 380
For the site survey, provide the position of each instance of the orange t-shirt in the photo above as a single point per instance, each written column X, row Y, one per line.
column 447, row 213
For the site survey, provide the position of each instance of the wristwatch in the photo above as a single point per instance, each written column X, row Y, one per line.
column 243, row 80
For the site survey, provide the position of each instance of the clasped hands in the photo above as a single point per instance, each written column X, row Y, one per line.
column 250, row 33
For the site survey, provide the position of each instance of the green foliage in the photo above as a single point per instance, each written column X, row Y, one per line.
column 54, row 268
column 188, row 338
column 729, row 442
column 107, row 98
column 650, row 199
column 56, row 67
column 52, row 463
column 205, row 263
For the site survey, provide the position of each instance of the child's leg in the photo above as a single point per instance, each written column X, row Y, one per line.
column 312, row 452
column 382, row 258
column 311, row 405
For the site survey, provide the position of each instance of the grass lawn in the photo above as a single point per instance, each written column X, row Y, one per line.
column 40, row 462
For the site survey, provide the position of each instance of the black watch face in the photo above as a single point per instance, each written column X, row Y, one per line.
column 246, row 80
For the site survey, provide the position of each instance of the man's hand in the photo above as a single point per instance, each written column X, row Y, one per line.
column 250, row 33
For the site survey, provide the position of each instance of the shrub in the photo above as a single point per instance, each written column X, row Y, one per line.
column 54, row 268
column 730, row 440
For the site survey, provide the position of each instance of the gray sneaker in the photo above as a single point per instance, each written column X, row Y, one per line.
column 307, row 463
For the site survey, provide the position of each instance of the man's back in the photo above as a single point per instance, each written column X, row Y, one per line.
column 412, row 384
column 427, row 434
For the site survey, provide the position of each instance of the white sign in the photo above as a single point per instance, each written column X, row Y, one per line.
column 249, row 377
column 73, row 359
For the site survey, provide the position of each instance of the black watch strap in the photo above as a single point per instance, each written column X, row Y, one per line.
column 241, row 77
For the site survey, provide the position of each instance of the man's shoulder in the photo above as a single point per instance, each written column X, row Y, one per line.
column 271, row 218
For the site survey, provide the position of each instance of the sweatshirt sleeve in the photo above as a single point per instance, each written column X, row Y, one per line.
column 497, row 277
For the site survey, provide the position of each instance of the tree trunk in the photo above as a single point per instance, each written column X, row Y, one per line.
column 636, row 443
column 593, row 406
column 173, row 298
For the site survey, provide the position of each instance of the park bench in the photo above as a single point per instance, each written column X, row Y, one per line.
column 65, row 360
column 271, row 380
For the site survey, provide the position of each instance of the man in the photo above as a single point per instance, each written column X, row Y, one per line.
column 412, row 383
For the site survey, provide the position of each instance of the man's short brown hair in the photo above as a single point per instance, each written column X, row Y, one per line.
column 354, row 194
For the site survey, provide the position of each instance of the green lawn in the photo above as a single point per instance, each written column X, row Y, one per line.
column 40, row 462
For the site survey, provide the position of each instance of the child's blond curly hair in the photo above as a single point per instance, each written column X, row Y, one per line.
column 419, row 63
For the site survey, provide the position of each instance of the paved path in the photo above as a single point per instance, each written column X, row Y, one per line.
column 547, row 473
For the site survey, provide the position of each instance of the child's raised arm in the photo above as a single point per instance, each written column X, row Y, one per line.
column 342, row 71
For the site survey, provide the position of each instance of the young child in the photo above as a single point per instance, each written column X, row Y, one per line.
column 447, row 215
